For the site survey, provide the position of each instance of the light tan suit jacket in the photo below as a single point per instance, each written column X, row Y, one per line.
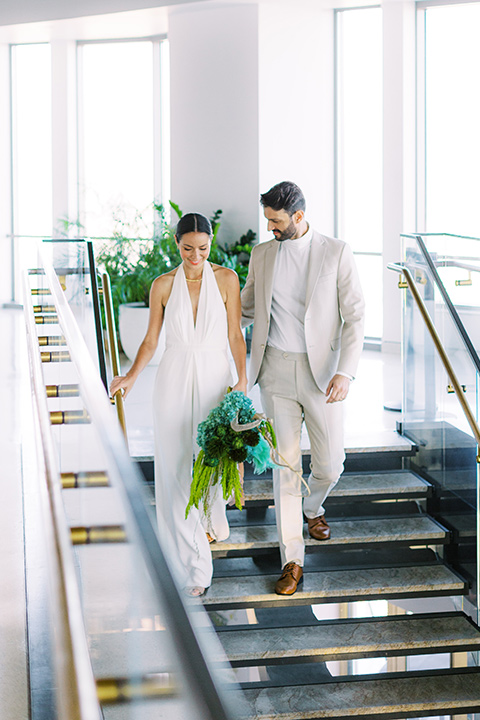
column 334, row 308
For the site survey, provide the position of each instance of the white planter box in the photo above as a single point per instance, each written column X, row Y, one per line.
column 132, row 325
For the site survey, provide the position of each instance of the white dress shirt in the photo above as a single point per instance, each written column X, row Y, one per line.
column 287, row 317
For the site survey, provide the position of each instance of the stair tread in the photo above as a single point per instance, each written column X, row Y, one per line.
column 335, row 586
column 351, row 485
column 419, row 528
column 328, row 640
column 382, row 697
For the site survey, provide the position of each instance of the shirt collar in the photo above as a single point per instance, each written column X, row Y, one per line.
column 301, row 242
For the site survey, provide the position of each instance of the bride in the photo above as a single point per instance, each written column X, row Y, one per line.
column 199, row 304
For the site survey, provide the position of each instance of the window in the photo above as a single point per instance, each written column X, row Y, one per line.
column 31, row 114
column 32, row 141
column 452, row 118
column 359, row 149
column 119, row 130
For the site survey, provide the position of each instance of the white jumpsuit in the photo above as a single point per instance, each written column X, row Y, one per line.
column 192, row 378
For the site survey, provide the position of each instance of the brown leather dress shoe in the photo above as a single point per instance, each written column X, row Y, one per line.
column 318, row 528
column 291, row 576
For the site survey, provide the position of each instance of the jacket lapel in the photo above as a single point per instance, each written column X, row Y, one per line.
column 269, row 267
column 317, row 257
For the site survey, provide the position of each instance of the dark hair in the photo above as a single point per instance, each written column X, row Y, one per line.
column 193, row 222
column 284, row 196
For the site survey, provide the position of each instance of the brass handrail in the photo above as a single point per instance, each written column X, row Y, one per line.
column 77, row 694
column 113, row 350
column 440, row 349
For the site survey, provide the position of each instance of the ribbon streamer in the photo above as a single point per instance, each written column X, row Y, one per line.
column 274, row 454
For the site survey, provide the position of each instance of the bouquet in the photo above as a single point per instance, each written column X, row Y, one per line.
column 232, row 433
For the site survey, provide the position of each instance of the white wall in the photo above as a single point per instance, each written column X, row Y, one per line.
column 214, row 113
column 5, row 179
column 296, row 104
column 252, row 104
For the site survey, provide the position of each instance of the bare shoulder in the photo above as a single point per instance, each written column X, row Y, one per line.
column 162, row 286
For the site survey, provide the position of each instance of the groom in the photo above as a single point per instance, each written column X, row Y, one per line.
column 304, row 297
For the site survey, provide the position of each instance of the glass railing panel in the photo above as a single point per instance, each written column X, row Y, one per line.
column 74, row 263
column 433, row 416
column 152, row 650
column 457, row 260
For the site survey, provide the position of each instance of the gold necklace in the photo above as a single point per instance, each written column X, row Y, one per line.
column 193, row 280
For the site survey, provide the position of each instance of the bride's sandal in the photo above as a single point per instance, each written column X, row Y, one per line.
column 210, row 538
column 194, row 591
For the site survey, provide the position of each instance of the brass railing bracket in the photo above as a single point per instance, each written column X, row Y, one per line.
column 37, row 309
column 464, row 283
column 55, row 356
column 121, row 690
column 69, row 417
column 41, row 291
column 46, row 340
column 98, row 534
column 58, row 391
column 90, row 478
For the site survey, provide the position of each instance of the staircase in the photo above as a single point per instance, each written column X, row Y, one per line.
column 296, row 661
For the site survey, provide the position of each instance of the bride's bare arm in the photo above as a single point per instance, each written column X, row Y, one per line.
column 159, row 293
column 231, row 287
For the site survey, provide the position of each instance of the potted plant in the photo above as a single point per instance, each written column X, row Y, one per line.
column 133, row 264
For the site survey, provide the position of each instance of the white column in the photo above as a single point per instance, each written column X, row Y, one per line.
column 64, row 133
column 296, row 95
column 214, row 113
column 6, row 270
column 399, row 152
column 252, row 104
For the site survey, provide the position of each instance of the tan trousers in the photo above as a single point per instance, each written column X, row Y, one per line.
column 289, row 397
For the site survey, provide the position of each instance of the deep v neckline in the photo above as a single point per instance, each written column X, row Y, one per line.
column 200, row 296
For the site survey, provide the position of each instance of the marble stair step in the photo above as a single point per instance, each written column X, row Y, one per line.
column 335, row 586
column 417, row 530
column 381, row 485
column 418, row 694
column 348, row 639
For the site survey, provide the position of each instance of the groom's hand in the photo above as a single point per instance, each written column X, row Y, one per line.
column 338, row 388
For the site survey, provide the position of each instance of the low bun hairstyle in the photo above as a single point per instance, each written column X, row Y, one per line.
column 193, row 222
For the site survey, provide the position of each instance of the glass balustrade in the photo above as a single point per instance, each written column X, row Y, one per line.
column 432, row 414
column 152, row 651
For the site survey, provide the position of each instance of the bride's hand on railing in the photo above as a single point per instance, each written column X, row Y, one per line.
column 121, row 382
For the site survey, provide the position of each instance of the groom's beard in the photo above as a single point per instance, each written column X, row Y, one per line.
column 286, row 234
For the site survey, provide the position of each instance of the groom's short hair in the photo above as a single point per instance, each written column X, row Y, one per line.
column 284, row 196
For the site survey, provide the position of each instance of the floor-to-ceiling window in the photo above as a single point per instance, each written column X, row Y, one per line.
column 121, row 126
column 31, row 120
column 450, row 97
column 359, row 149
